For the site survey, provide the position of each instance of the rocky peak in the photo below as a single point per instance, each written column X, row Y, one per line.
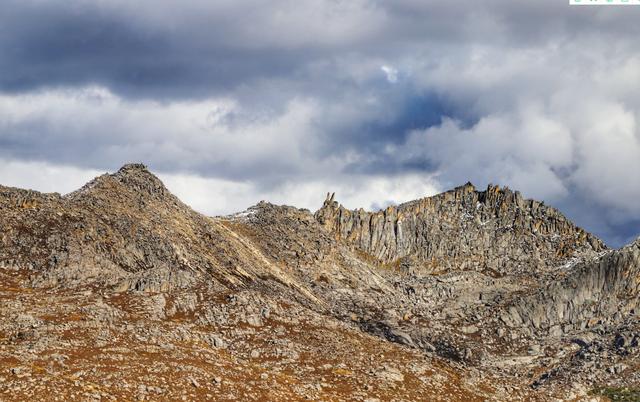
column 329, row 201
column 131, row 182
column 135, row 168
column 462, row 229
column 137, row 177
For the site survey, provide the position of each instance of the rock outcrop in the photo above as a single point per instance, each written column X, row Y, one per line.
column 604, row 290
column 495, row 230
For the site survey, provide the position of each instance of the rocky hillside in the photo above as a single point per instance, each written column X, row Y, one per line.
column 123, row 231
column 120, row 291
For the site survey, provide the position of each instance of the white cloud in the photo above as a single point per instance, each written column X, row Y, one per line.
column 213, row 197
column 499, row 149
column 44, row 177
column 220, row 197
column 556, row 122
column 92, row 126
column 391, row 73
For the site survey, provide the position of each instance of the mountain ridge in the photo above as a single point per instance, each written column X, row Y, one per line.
column 405, row 231
column 467, row 282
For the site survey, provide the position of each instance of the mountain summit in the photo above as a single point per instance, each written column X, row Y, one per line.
column 495, row 230
column 133, row 178
column 121, row 291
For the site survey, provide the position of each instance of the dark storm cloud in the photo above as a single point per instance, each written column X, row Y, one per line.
column 49, row 45
column 194, row 49
column 282, row 93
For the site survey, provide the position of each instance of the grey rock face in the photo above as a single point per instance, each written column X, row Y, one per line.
column 606, row 289
column 495, row 230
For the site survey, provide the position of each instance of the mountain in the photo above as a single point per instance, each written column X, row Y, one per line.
column 495, row 231
column 121, row 291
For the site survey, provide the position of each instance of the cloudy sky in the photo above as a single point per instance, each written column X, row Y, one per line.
column 231, row 101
